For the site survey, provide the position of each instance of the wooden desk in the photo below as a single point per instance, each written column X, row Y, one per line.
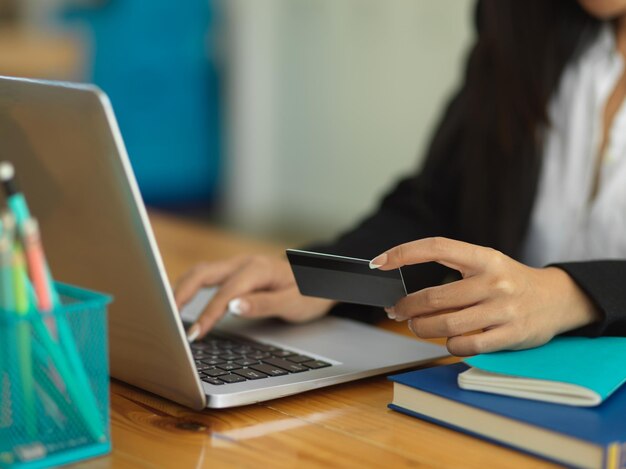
column 346, row 425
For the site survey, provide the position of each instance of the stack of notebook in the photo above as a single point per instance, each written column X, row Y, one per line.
column 563, row 401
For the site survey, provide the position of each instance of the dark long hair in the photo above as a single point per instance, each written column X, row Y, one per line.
column 494, row 125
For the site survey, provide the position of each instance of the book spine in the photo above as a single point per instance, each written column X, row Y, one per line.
column 615, row 457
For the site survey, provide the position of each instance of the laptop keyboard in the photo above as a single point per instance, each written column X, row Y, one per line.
column 222, row 359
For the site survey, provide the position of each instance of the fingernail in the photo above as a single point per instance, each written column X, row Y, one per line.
column 378, row 261
column 193, row 333
column 390, row 313
column 238, row 307
column 411, row 326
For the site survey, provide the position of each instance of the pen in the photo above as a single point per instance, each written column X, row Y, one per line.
column 36, row 264
column 36, row 261
column 22, row 308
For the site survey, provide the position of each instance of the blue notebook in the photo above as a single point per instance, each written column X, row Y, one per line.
column 567, row 370
column 581, row 437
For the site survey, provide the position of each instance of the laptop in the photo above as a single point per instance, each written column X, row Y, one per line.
column 72, row 165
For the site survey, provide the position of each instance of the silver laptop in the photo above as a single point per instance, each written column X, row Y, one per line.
column 71, row 163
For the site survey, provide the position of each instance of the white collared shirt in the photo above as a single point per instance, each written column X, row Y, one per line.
column 567, row 224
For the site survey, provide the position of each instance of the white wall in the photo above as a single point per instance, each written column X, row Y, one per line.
column 330, row 101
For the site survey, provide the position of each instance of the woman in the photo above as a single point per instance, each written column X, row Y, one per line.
column 523, row 193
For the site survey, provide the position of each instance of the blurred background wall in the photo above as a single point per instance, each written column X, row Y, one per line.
column 330, row 101
column 280, row 118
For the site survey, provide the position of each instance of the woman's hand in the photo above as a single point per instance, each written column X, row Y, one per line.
column 250, row 286
column 511, row 305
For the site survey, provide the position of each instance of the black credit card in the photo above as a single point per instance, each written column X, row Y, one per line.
column 345, row 279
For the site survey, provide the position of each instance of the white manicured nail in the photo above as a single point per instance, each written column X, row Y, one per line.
column 238, row 307
column 378, row 261
column 193, row 333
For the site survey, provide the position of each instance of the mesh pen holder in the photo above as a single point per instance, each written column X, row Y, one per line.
column 54, row 382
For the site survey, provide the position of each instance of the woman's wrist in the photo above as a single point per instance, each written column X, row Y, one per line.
column 575, row 306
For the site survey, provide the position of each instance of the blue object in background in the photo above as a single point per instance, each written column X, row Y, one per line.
column 151, row 58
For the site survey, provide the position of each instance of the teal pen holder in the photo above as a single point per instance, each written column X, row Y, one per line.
column 54, row 382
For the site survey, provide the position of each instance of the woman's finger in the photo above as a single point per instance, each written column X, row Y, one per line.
column 498, row 338
column 464, row 257
column 253, row 276
column 287, row 303
column 205, row 275
column 457, row 322
column 451, row 296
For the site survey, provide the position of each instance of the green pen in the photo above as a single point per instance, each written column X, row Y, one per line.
column 25, row 361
